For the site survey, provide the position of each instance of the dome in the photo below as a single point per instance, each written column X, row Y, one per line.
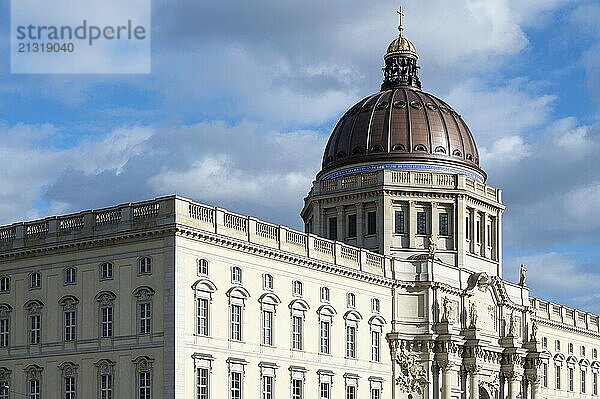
column 401, row 126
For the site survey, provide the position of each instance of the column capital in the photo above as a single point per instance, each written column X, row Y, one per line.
column 446, row 365
column 473, row 369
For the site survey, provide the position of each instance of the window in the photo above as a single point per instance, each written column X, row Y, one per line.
column 333, row 233
column 583, row 382
column 325, row 334
column 557, row 345
column 267, row 387
column 595, row 353
column 35, row 329
column 4, row 284
column 375, row 346
column 268, row 282
column 399, row 222
column 35, row 390
column 570, row 347
column 4, row 392
column 351, row 300
column 236, row 385
column 571, row 379
column 106, row 317
column 106, row 271
column 468, row 228
column 202, row 267
column 443, row 225
column 557, row 371
column 267, row 325
column 583, row 351
column 375, row 393
column 70, row 390
column 201, row 383
column 236, row 275
column 325, row 390
column 351, row 226
column 478, row 231
column 69, row 380
column 297, row 389
column 545, row 375
column 297, row 288
column 145, row 310
column 35, row 280
column 297, row 326
column 421, row 223
column 371, row 223
column 70, row 325
column 144, row 385
column 202, row 316
column 325, row 294
column 595, row 382
column 351, row 342
column 145, row 265
column 375, row 305
column 544, row 342
column 5, row 311
column 236, row 322
column 70, row 275
column 106, row 387
column 350, row 392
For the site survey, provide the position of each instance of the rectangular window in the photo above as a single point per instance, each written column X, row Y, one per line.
column 4, row 284
column 350, row 392
column 297, row 391
column 106, row 387
column 4, row 391
column 371, row 223
column 201, row 383
column 325, row 391
column 351, row 226
column 478, row 231
column 35, row 329
column 267, row 328
column 571, row 378
column 375, row 393
column 421, row 223
column 144, row 385
column 443, row 227
column 468, row 228
column 333, row 233
column 595, row 383
column 489, row 235
column 70, row 325
column 583, row 381
column 236, row 385
column 399, row 222
column 35, row 391
column 106, row 322
column 267, row 387
column 202, row 317
column 557, row 373
column 145, row 318
column 236, row 322
column 375, row 351
column 4, row 332
column 297, row 332
column 106, row 270
column 350, row 341
column 545, row 375
column 325, row 326
column 70, row 275
column 70, row 390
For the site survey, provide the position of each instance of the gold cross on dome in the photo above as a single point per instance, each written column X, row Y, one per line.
column 401, row 15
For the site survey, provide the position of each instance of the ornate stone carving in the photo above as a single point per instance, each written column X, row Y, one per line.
column 432, row 247
column 534, row 331
column 473, row 315
column 491, row 383
column 448, row 311
column 511, row 325
column 412, row 376
column 483, row 282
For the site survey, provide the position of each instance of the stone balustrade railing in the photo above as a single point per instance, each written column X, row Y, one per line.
column 176, row 210
column 563, row 314
column 408, row 179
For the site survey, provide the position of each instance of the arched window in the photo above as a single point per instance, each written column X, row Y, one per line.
column 237, row 303
column 143, row 369
column 236, row 275
column 106, row 271
column 326, row 314
column 352, row 318
column 5, row 311
column 298, row 309
column 106, row 300
column 351, row 300
column 106, row 369
column 70, row 275
column 69, row 305
column 202, row 267
column 145, row 265
column 324, row 294
column 144, row 309
column 376, row 324
column 4, row 284
column 203, row 291
column 69, row 380
column 35, row 280
column 33, row 374
column 268, row 281
column 268, row 306
column 375, row 305
column 34, row 310
column 4, row 382
column 297, row 288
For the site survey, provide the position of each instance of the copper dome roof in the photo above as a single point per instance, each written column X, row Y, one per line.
column 402, row 124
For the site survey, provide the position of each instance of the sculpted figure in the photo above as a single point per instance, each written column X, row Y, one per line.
column 534, row 330
column 473, row 315
column 523, row 276
column 432, row 247
column 511, row 325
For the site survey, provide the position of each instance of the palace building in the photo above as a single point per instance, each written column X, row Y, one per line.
column 395, row 289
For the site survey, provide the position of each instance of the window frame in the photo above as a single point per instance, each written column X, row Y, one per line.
column 4, row 284
column 145, row 266
column 35, row 281
column 202, row 266
column 352, row 230
column 399, row 221
column 371, row 223
column 70, row 276
column 107, row 271
column 236, row 275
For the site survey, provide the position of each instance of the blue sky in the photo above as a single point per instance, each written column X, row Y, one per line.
column 247, row 93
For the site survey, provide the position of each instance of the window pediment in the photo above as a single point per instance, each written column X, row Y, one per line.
column 299, row 304
column 352, row 315
column 204, row 285
column 143, row 293
column 326, row 310
column 269, row 299
column 377, row 321
column 34, row 306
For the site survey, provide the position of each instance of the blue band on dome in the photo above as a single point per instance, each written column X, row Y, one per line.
column 402, row 166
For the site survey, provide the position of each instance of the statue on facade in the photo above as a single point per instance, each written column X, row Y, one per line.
column 447, row 310
column 473, row 315
column 534, row 331
column 511, row 325
column 412, row 375
column 432, row 247
column 523, row 276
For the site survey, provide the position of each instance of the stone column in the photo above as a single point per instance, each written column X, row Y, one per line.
column 360, row 222
column 474, row 381
column 514, row 385
column 341, row 233
column 435, row 222
column 534, row 384
column 446, row 367
column 412, row 225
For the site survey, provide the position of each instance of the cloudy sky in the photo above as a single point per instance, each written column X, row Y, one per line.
column 243, row 95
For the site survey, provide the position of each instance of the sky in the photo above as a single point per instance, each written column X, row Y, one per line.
column 243, row 96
